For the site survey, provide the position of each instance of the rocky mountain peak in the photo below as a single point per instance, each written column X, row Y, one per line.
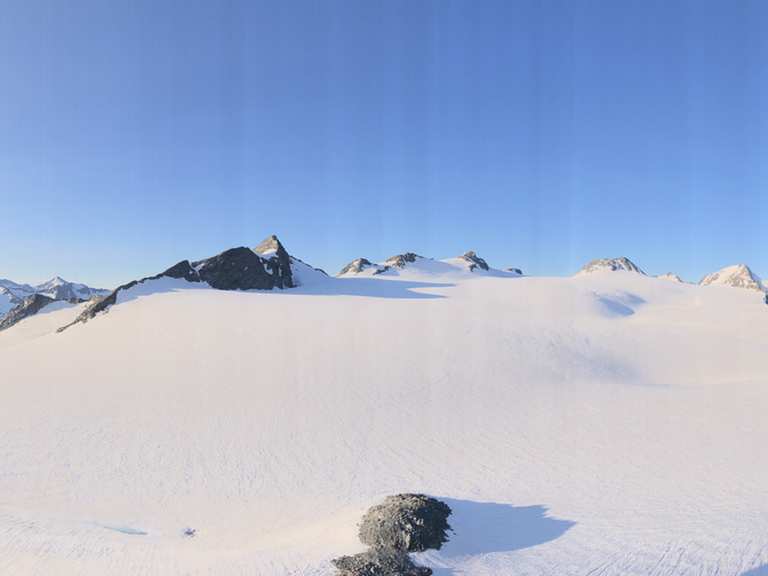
column 401, row 260
column 356, row 266
column 270, row 246
column 737, row 276
column 622, row 264
column 474, row 261
column 265, row 267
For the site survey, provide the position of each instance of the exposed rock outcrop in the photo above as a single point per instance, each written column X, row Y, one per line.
column 474, row 261
column 356, row 266
column 401, row 260
column 402, row 524
column 265, row 267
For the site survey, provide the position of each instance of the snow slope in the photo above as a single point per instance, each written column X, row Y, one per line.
column 605, row 424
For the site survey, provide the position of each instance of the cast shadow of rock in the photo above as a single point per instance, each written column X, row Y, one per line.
column 488, row 527
column 370, row 287
column 759, row 571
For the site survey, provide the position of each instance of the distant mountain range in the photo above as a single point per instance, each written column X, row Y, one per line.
column 269, row 266
column 736, row 276
column 13, row 295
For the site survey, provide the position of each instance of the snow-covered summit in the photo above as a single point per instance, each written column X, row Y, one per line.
column 19, row 291
column 402, row 260
column 363, row 266
column 622, row 264
column 736, row 276
column 411, row 265
column 18, row 301
column 59, row 289
column 671, row 277
column 359, row 265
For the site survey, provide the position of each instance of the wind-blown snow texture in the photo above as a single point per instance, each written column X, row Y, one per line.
column 609, row 423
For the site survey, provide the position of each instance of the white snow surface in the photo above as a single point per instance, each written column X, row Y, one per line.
column 606, row 424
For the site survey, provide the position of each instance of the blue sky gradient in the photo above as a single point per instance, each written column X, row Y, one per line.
column 540, row 134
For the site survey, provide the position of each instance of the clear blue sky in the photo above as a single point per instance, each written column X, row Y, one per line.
column 540, row 134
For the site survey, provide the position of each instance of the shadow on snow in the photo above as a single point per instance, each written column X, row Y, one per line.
column 758, row 571
column 488, row 527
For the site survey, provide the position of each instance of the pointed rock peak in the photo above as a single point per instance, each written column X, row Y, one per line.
column 269, row 247
column 356, row 266
column 474, row 261
column 400, row 260
column 622, row 264
column 55, row 281
column 737, row 276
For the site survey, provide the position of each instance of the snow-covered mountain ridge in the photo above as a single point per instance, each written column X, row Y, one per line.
column 409, row 263
column 269, row 266
column 20, row 298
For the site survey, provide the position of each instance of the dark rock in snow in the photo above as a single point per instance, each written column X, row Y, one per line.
column 517, row 271
column 360, row 264
column 379, row 563
column 400, row 260
column 402, row 524
column 278, row 261
column 475, row 261
column 28, row 307
column 410, row 522
column 265, row 267
column 235, row 269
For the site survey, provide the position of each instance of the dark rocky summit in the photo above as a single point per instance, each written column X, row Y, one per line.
column 359, row 265
column 401, row 260
column 475, row 261
column 30, row 306
column 402, row 524
column 265, row 267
